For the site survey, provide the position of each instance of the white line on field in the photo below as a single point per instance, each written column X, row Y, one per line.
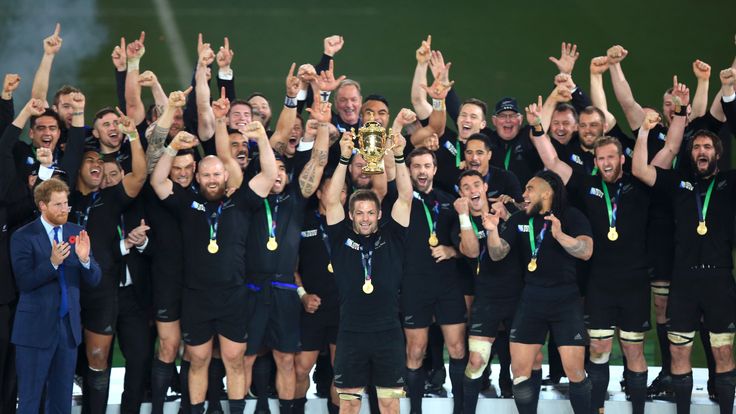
column 182, row 65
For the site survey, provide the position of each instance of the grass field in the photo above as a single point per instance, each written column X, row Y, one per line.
column 497, row 48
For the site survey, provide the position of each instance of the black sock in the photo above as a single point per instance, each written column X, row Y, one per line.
column 184, row 384
column 580, row 396
column 501, row 345
column 471, row 389
column 260, row 378
column 332, row 408
column 286, row 406
column 299, row 404
column 372, row 397
column 682, row 385
column 457, row 373
column 215, row 387
column 599, row 375
column 197, row 408
column 664, row 347
column 536, row 380
column 415, row 384
column 236, row 406
column 524, row 397
column 161, row 374
column 725, row 383
column 636, row 384
column 97, row 384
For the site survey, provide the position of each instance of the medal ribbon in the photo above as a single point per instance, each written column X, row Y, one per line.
column 367, row 257
column 457, row 153
column 121, row 228
column 83, row 220
column 703, row 206
column 271, row 217
column 595, row 171
column 536, row 244
column 482, row 249
column 213, row 222
column 612, row 207
column 431, row 220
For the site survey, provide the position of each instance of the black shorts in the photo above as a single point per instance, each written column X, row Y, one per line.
column 380, row 356
column 100, row 312
column 273, row 320
column 706, row 294
column 421, row 306
column 319, row 329
column 206, row 313
column 467, row 283
column 167, row 292
column 555, row 310
column 487, row 315
column 629, row 310
column 661, row 248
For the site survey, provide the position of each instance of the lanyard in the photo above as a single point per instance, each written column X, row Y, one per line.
column 535, row 242
column 457, row 153
column 271, row 217
column 508, row 158
column 595, row 171
column 431, row 218
column 325, row 237
column 85, row 217
column 703, row 206
column 612, row 206
column 367, row 257
column 121, row 228
column 214, row 221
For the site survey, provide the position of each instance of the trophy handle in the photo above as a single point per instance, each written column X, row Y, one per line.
column 393, row 144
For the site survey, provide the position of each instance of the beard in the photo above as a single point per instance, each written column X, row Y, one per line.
column 211, row 195
column 712, row 166
column 535, row 208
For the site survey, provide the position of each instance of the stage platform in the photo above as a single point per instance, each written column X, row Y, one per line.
column 552, row 399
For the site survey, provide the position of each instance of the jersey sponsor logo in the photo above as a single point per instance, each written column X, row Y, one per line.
column 686, row 185
column 595, row 192
column 662, row 136
column 576, row 159
column 481, row 234
column 522, row 228
column 451, row 148
column 197, row 206
column 352, row 244
column 629, row 152
column 309, row 233
column 30, row 161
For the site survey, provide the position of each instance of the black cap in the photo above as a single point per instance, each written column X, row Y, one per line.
column 506, row 104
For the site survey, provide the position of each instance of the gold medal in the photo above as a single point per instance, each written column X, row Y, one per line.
column 532, row 266
column 368, row 287
column 329, row 267
column 702, row 229
column 213, row 247
column 612, row 234
column 272, row 245
column 433, row 241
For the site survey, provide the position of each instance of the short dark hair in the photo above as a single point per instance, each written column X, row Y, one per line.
column 47, row 112
column 104, row 111
column 477, row 102
column 363, row 195
column 376, row 97
column 468, row 173
column 240, row 102
column 482, row 138
column 43, row 191
column 559, row 198
column 566, row 107
column 416, row 152
column 717, row 144
column 64, row 90
column 590, row 110
column 608, row 140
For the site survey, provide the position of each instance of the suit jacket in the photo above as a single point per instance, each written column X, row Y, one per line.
column 38, row 283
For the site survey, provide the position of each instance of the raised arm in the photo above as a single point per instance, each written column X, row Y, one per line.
column 681, row 97
column 728, row 76
column 311, row 175
column 580, row 247
column 7, row 112
column 160, row 181
column 133, row 103
column 598, row 66
column 205, row 117
column 699, row 105
column 633, row 111
column 645, row 172
column 225, row 74
column 568, row 56
column 150, row 80
column 74, row 149
column 51, row 46
column 401, row 211
column 263, row 181
column 335, row 212
column 561, row 93
column 542, row 143
column 33, row 107
column 438, row 117
column 280, row 137
column 220, row 108
column 418, row 94
column 156, row 140
column 133, row 181
column 469, row 245
column 498, row 248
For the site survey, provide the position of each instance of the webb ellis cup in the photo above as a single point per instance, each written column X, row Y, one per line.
column 372, row 139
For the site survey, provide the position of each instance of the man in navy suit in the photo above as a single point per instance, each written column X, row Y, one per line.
column 50, row 260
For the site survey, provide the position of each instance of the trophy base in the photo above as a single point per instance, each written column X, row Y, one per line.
column 372, row 170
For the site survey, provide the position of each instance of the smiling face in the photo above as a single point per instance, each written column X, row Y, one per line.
column 470, row 121
column 212, row 178
column 65, row 109
column 477, row 156
column 45, row 133
column 563, row 125
column 704, row 156
column 365, row 215
column 282, row 179
column 261, row 109
column 239, row 116
column 182, row 170
column 106, row 130
column 537, row 196
column 378, row 110
column 507, row 124
column 422, row 170
column 112, row 174
column 590, row 128
column 239, row 149
column 347, row 103
column 609, row 161
column 90, row 173
column 474, row 188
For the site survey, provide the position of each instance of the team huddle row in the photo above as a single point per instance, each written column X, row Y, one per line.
column 241, row 240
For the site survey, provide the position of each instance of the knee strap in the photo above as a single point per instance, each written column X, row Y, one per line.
column 681, row 338
column 721, row 339
column 483, row 349
column 601, row 334
column 351, row 396
column 392, row 393
column 631, row 337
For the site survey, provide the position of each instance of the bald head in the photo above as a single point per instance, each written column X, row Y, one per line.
column 212, row 177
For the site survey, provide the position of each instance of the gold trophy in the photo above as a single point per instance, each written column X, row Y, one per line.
column 372, row 139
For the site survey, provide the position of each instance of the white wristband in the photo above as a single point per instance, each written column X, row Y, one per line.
column 438, row 105
column 301, row 95
column 133, row 64
column 170, row 151
column 300, row 291
column 324, row 96
column 729, row 98
column 465, row 222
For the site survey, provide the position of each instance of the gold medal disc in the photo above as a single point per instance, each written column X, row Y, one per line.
column 272, row 245
column 213, row 247
column 532, row 266
column 368, row 287
column 612, row 234
column 433, row 241
column 702, row 229
column 329, row 267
